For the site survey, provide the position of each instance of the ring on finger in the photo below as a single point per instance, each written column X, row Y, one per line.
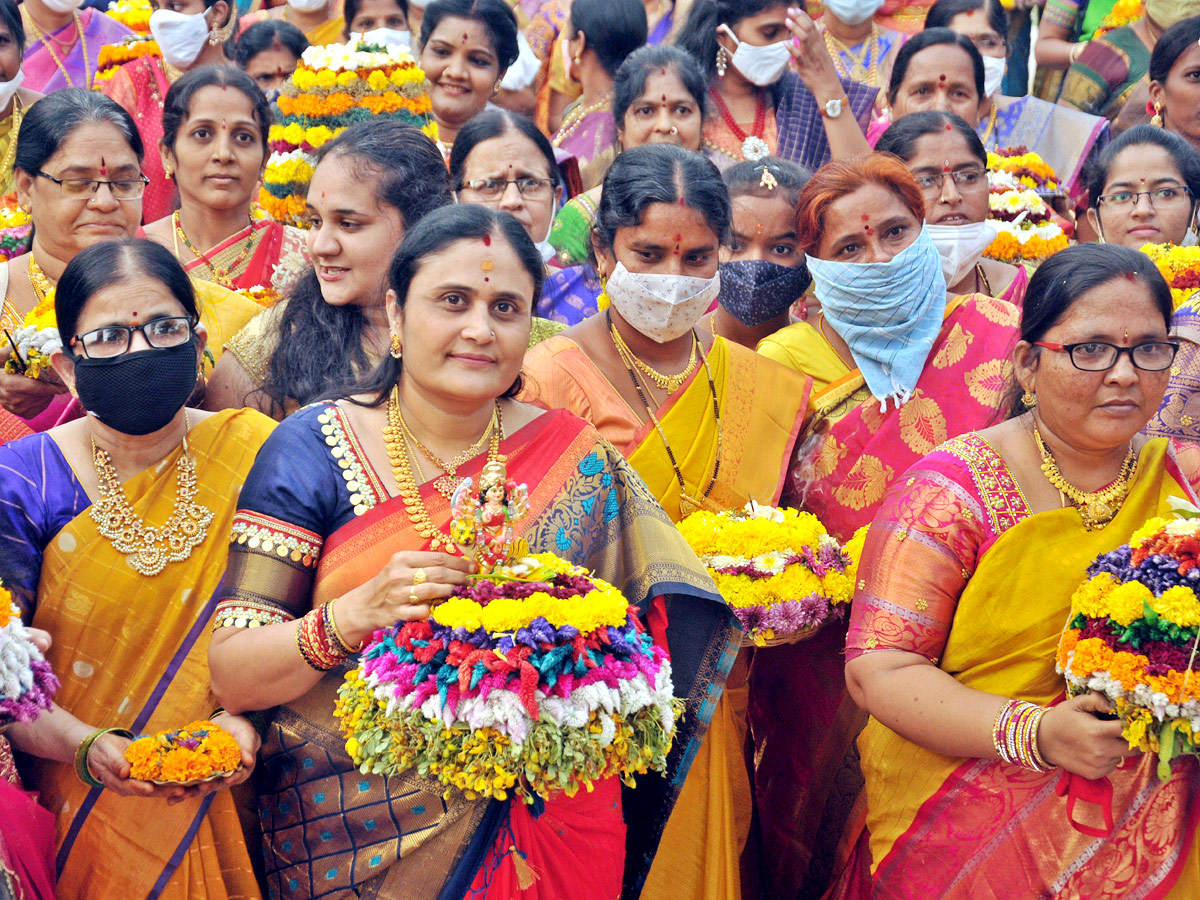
column 419, row 577
column 412, row 596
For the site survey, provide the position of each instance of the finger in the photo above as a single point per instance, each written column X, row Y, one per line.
column 444, row 575
column 410, row 595
column 411, row 613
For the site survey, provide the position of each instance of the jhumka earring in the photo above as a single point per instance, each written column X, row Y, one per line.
column 168, row 171
column 221, row 35
column 1029, row 399
column 396, row 350
column 722, row 61
column 1157, row 118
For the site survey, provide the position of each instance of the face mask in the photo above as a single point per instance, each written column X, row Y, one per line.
column 180, row 37
column 662, row 307
column 8, row 88
column 272, row 95
column 960, row 247
column 853, row 12
column 62, row 6
column 993, row 74
column 388, row 37
column 754, row 291
column 307, row 6
column 544, row 246
column 137, row 393
column 759, row 65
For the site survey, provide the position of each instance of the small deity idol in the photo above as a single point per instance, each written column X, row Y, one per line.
column 483, row 519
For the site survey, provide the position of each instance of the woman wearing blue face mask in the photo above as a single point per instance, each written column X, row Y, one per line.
column 758, row 106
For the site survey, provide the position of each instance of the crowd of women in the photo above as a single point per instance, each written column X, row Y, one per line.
column 661, row 257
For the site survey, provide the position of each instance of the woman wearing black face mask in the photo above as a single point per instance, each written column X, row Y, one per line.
column 113, row 534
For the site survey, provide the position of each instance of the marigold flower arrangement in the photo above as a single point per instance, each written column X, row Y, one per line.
column 265, row 297
column 16, row 230
column 113, row 56
column 1132, row 636
column 333, row 87
column 535, row 678
column 198, row 751
column 1123, row 13
column 1025, row 230
column 34, row 341
column 1027, row 167
column 1180, row 266
column 27, row 685
column 782, row 574
column 133, row 14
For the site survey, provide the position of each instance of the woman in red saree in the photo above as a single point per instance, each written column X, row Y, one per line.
column 464, row 284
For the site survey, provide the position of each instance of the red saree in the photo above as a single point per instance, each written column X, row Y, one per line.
column 141, row 87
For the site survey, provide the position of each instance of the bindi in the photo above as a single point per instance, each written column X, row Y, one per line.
column 487, row 240
column 223, row 128
column 487, row 265
column 946, row 168
column 103, row 167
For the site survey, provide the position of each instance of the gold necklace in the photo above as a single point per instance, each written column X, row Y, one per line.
column 576, row 118
column 991, row 124
column 668, row 383
column 46, row 40
column 1096, row 508
column 6, row 164
column 148, row 550
column 859, row 70
column 448, row 482
column 39, row 280
column 222, row 275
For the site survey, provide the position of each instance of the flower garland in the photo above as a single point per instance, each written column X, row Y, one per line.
column 27, row 685
column 780, row 571
column 196, row 752
column 35, row 340
column 133, row 14
column 1180, row 266
column 16, row 232
column 1133, row 637
column 113, row 56
column 537, row 678
column 1026, row 232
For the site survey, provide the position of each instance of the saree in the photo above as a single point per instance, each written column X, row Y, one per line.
column 330, row 831
column 26, row 838
column 569, row 295
column 1179, row 415
column 592, row 140
column 130, row 651
column 571, row 231
column 141, row 86
column 806, row 772
column 263, row 254
column 1064, row 138
column 1105, row 73
column 943, row 827
column 801, row 126
column 47, row 69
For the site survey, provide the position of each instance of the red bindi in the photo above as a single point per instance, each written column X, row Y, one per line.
column 678, row 238
column 662, row 71
column 949, row 127
column 487, row 240
column 485, row 278
column 941, row 78
column 866, row 218
column 465, row 37
column 103, row 167
column 870, row 230
column 664, row 99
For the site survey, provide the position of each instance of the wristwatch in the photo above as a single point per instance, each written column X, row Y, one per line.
column 833, row 108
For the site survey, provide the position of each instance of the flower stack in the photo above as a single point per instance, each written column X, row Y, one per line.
column 199, row 751
column 782, row 574
column 1122, row 14
column 333, row 87
column 536, row 678
column 1180, row 266
column 1132, row 636
column 34, row 341
column 135, row 15
column 1018, row 183
column 16, row 231
column 27, row 686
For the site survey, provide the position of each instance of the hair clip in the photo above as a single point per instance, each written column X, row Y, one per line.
column 768, row 180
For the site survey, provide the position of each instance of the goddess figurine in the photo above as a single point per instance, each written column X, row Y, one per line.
column 483, row 519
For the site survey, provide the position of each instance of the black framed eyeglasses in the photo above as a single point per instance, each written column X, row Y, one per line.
column 1164, row 196
column 86, row 188
column 1098, row 356
column 114, row 340
column 964, row 179
column 493, row 188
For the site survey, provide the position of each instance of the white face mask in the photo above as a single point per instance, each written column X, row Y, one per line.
column 759, row 65
column 307, row 6
column 8, row 88
column 662, row 307
column 180, row 37
column 853, row 12
column 993, row 74
column 388, row 37
column 62, row 6
column 960, row 247
column 544, row 246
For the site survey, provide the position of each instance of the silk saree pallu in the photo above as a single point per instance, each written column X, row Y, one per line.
column 1179, row 415
column 943, row 827
column 332, row 832
column 1065, row 138
column 132, row 651
column 251, row 258
column 48, row 70
column 1105, row 73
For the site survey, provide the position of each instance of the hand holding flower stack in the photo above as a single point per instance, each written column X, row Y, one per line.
column 200, row 751
column 27, row 685
column 30, row 345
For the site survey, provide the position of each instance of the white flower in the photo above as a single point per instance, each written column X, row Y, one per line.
column 756, row 510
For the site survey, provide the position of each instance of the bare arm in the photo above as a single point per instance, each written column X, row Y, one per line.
column 231, row 387
column 815, row 68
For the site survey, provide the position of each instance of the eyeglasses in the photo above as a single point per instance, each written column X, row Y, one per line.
column 987, row 42
column 114, row 340
column 1098, row 356
column 494, row 188
column 85, row 188
column 964, row 179
column 1164, row 196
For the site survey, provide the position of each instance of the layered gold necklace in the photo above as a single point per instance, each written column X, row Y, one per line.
column 1096, row 508
column 860, row 70
column 668, row 383
column 448, row 482
column 38, row 280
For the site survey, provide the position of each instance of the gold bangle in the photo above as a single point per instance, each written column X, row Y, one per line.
column 85, row 747
column 336, row 633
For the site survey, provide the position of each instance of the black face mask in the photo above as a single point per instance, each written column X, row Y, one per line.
column 754, row 291
column 137, row 393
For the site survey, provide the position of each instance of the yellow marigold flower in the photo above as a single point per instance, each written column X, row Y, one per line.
column 1178, row 605
column 1155, row 525
column 1127, row 602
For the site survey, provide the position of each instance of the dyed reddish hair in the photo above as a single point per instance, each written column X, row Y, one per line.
column 841, row 178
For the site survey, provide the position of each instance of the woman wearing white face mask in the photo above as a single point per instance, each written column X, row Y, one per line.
column 1062, row 137
column 190, row 33
column 63, row 42
column 759, row 106
column 861, row 49
column 663, row 392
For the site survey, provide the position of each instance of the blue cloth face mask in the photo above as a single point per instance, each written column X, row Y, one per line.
column 754, row 291
column 889, row 314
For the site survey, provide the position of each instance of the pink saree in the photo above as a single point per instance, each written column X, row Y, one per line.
column 141, row 86
column 47, row 70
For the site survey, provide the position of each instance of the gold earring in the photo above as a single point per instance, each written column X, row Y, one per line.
column 221, row 35
column 1029, row 399
column 721, row 61
column 397, row 352
column 1157, row 118
column 168, row 171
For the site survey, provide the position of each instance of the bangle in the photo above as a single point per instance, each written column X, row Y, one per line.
column 85, row 747
column 1073, row 53
column 336, row 634
column 1014, row 735
column 316, row 645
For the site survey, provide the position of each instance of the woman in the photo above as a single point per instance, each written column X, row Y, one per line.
column 935, row 672
column 269, row 52
column 762, row 271
column 1064, row 29
column 64, row 43
column 214, row 147
column 949, row 164
column 937, row 69
column 190, row 34
column 1173, row 67
column 466, row 46
column 880, row 400
column 706, row 423
column 14, row 97
column 761, row 107
column 602, row 33
column 79, row 173
column 318, row 20
column 126, row 602
column 371, row 184
column 1063, row 137
column 388, row 16
column 447, row 312
column 861, row 50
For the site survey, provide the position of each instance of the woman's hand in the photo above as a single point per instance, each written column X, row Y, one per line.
column 107, row 763
column 40, row 639
column 26, row 397
column 1071, row 736
column 810, row 57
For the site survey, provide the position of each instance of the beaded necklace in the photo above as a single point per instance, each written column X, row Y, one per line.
column 38, row 280
column 576, row 119
column 47, row 39
column 754, row 147
column 222, row 275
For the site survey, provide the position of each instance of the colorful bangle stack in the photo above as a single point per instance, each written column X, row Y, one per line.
column 85, row 747
column 1015, row 735
column 319, row 642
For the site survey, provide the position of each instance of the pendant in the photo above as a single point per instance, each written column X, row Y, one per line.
column 755, row 148
column 859, row 73
column 689, row 505
column 446, row 485
column 1100, row 512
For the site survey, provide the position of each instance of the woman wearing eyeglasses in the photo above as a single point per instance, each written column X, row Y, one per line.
column 970, row 566
column 113, row 534
column 78, row 172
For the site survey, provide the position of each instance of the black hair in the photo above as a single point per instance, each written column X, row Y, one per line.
column 495, row 15
column 321, row 346
column 178, row 103
column 660, row 173
column 746, row 179
column 10, row 15
column 1069, row 274
column 436, row 232
column 614, row 29
column 698, row 35
column 350, row 11
column 492, row 123
column 1176, row 39
column 50, row 121
column 932, row 37
column 630, row 80
column 120, row 261
column 267, row 34
column 943, row 12
column 1181, row 152
column 902, row 135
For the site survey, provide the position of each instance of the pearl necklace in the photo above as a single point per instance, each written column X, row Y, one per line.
column 576, row 119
